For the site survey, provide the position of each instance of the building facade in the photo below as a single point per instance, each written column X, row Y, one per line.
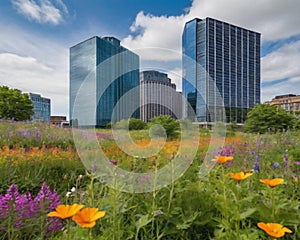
column 158, row 96
column 57, row 120
column 221, row 71
column 41, row 108
column 289, row 102
column 110, row 71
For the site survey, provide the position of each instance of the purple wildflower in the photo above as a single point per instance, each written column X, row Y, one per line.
column 259, row 143
column 24, row 207
column 297, row 162
column 252, row 151
column 275, row 165
column 54, row 224
column 286, row 161
column 47, row 196
column 256, row 166
column 10, row 134
column 143, row 179
column 158, row 212
column 13, row 191
column 94, row 168
column 224, row 151
column 113, row 162
column 38, row 134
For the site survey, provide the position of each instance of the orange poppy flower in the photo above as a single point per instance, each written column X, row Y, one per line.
column 87, row 217
column 272, row 182
column 240, row 176
column 65, row 211
column 274, row 230
column 222, row 159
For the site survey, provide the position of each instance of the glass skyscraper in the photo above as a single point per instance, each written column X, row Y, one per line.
column 111, row 71
column 41, row 108
column 221, row 70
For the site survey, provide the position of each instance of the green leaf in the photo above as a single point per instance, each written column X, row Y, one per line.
column 246, row 214
column 143, row 221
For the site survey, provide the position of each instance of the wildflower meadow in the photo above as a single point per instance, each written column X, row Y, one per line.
column 251, row 192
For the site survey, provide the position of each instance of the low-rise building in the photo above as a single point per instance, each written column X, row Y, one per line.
column 57, row 120
column 289, row 102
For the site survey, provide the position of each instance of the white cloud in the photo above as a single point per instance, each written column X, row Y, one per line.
column 282, row 63
column 19, row 63
column 35, row 64
column 43, row 11
column 63, row 6
column 176, row 76
column 156, row 33
column 275, row 19
column 291, row 86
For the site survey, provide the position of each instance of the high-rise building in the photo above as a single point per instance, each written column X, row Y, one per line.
column 101, row 72
column 158, row 96
column 41, row 108
column 221, row 70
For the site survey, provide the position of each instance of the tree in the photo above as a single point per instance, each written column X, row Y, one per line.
column 14, row 104
column 264, row 117
column 164, row 124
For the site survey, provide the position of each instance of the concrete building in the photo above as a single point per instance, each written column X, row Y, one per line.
column 101, row 72
column 57, row 120
column 289, row 102
column 41, row 108
column 221, row 70
column 158, row 96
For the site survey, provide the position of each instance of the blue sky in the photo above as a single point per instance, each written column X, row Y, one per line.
column 36, row 36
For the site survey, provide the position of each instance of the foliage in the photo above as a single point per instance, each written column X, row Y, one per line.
column 263, row 118
column 14, row 104
column 131, row 124
column 136, row 124
column 231, row 129
column 164, row 124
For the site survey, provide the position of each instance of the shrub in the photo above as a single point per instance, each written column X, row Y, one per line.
column 123, row 124
column 131, row 124
column 167, row 123
column 136, row 124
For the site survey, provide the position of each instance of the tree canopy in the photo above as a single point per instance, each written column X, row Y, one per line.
column 264, row 117
column 14, row 104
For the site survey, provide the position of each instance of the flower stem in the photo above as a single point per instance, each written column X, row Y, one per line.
column 273, row 204
column 68, row 229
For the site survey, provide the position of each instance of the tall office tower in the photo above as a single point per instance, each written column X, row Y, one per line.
column 41, row 108
column 101, row 72
column 158, row 96
column 221, row 70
